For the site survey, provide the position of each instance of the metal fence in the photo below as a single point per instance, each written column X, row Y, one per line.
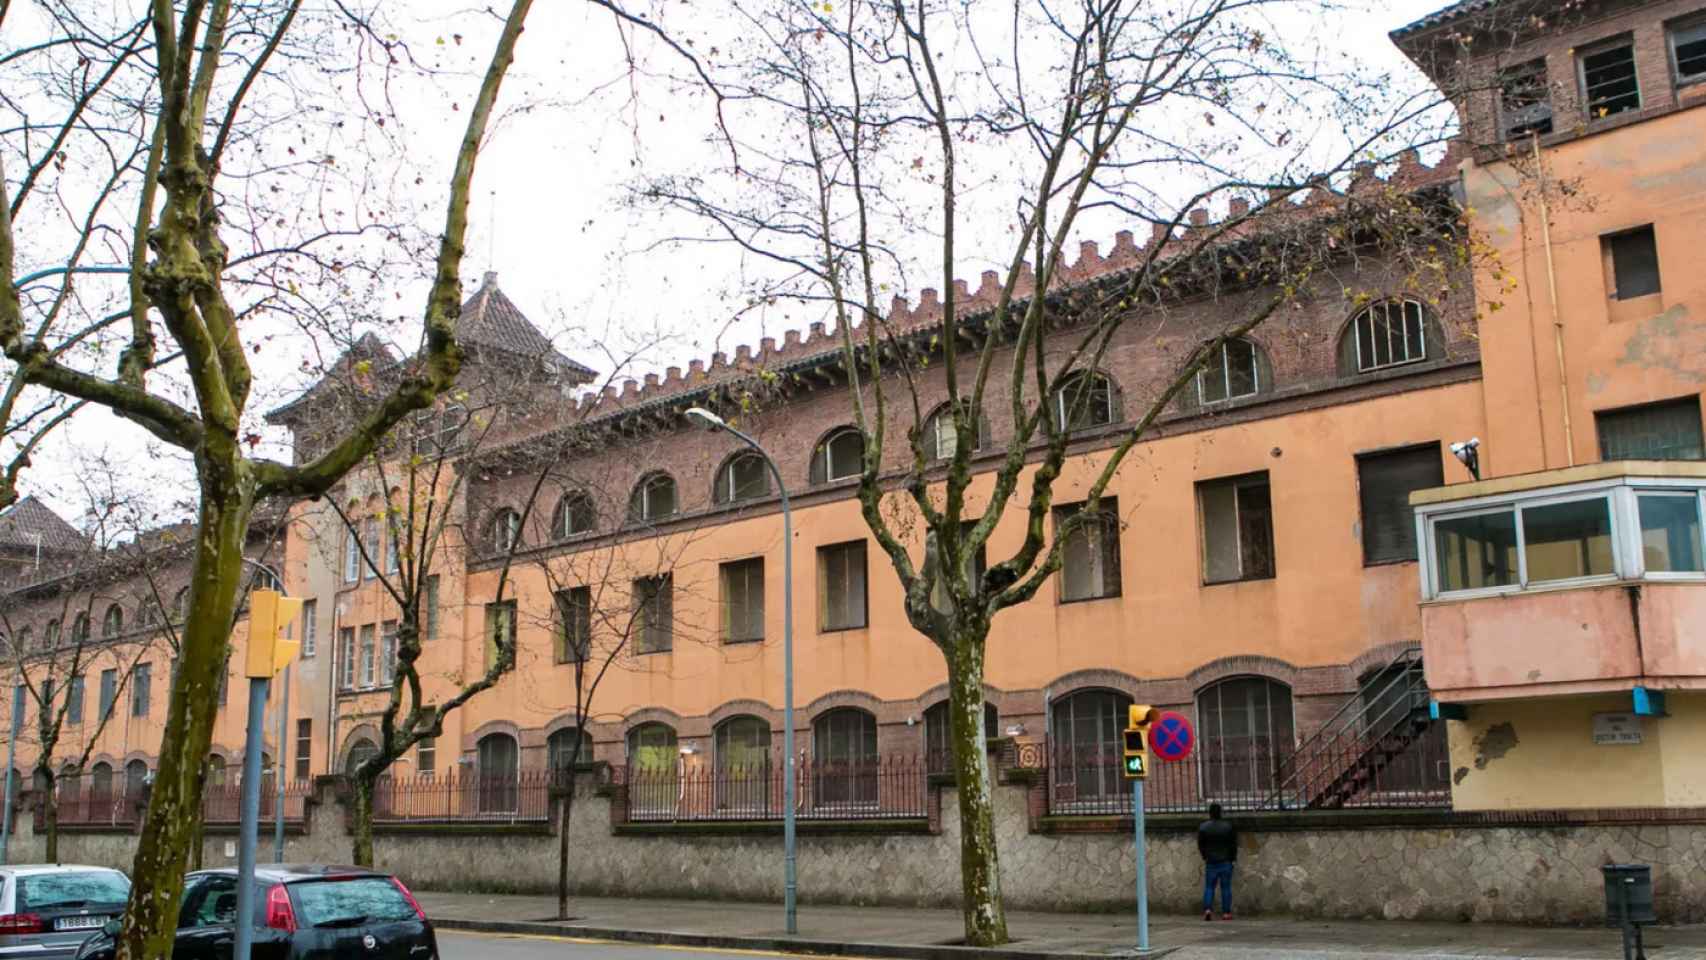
column 885, row 789
column 95, row 808
column 1090, row 783
column 464, row 798
column 223, row 803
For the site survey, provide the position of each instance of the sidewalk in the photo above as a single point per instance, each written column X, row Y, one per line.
column 927, row 934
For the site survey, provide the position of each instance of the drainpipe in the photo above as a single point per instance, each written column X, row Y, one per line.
column 1552, row 289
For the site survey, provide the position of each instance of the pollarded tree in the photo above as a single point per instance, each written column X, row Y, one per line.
column 146, row 135
column 996, row 131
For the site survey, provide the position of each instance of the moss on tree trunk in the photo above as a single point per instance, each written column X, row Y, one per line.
column 361, row 822
column 980, row 868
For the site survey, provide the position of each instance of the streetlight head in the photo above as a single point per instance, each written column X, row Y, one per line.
column 706, row 417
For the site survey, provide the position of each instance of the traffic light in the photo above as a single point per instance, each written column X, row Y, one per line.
column 1136, row 766
column 270, row 614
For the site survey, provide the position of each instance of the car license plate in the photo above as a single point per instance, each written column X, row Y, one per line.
column 78, row 923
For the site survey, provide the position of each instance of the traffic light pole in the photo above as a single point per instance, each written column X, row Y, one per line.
column 251, row 815
column 279, row 767
column 1142, row 867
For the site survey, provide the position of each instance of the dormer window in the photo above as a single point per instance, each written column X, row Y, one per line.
column 1524, row 105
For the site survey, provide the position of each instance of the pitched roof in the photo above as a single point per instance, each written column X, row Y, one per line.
column 490, row 319
column 1443, row 16
column 367, row 347
column 30, row 523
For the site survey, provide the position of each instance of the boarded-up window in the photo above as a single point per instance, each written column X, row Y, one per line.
column 574, row 624
column 1090, row 555
column 1384, row 484
column 841, row 586
column 1237, row 528
column 1633, row 258
column 654, row 614
column 1654, row 431
column 1525, row 106
column 743, row 600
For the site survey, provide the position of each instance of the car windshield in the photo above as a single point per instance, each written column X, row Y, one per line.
column 346, row 902
column 71, row 889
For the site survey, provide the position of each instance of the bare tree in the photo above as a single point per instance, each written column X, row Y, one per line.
column 1017, row 124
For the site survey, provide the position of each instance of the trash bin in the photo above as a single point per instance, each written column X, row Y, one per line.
column 1628, row 885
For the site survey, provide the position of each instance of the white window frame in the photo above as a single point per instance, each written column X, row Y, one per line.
column 647, row 513
column 506, row 530
column 352, row 556
column 1639, row 554
column 1226, row 371
column 726, row 479
column 310, row 636
column 1404, row 339
column 829, row 473
column 1062, row 415
column 1628, row 561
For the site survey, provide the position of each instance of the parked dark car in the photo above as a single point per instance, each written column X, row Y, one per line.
column 46, row 910
column 301, row 913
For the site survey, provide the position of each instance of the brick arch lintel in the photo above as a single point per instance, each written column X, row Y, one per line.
column 836, row 699
column 1377, row 657
column 1244, row 665
column 746, row 707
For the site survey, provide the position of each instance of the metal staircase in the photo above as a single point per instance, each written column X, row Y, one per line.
column 1346, row 757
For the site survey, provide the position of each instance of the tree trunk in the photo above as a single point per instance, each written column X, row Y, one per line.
column 980, row 870
column 361, row 823
column 564, row 807
column 174, row 809
column 50, row 823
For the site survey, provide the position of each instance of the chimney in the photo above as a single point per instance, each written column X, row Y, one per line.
column 1240, row 206
column 490, row 280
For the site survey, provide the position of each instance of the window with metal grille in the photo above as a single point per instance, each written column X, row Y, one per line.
column 743, row 600
column 1090, row 555
column 1084, row 739
column 1688, row 51
column 500, row 769
column 742, row 755
column 1237, row 528
column 1608, row 79
column 304, row 748
column 1390, row 333
column 1384, row 484
column 1655, row 431
column 574, row 624
column 1525, row 106
column 1231, row 372
column 841, row 586
column 939, row 735
column 1633, row 257
column 1245, row 726
column 844, row 757
column 654, row 614
column 745, row 476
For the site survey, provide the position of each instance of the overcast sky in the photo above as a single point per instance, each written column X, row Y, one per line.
column 549, row 212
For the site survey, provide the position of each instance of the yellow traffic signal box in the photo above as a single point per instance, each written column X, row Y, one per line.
column 270, row 614
column 1136, row 766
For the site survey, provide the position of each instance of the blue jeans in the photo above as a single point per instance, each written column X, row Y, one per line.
column 1217, row 873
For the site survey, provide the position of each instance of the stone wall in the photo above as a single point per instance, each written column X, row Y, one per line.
column 1543, row 868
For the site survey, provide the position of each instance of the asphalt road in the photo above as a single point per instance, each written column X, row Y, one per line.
column 456, row 945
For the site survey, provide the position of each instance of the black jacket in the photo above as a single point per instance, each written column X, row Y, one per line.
column 1217, row 841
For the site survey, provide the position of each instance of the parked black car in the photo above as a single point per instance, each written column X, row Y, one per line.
column 301, row 913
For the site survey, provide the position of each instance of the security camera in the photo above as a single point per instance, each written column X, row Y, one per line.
column 1468, row 453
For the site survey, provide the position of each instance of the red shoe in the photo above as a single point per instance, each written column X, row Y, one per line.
column 1207, row 915
column 1226, row 916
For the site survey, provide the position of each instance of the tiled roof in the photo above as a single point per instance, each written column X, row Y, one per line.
column 1444, row 16
column 30, row 523
column 490, row 319
column 366, row 347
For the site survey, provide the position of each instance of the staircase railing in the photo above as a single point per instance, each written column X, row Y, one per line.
column 1383, row 707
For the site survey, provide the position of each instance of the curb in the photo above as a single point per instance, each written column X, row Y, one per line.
column 792, row 945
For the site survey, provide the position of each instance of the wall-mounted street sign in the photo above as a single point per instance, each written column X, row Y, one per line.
column 1616, row 729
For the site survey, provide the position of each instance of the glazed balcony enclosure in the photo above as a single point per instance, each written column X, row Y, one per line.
column 1587, row 579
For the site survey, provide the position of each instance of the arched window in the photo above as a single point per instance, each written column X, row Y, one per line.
column 940, row 434
column 1232, row 371
column 24, row 640
column 216, row 770
column 568, row 746
column 1244, row 729
column 939, row 736
column 1084, row 732
column 653, row 776
column 359, row 753
column 742, row 748
column 181, row 604
column 506, row 530
column 744, row 476
column 80, row 630
column 70, row 785
column 574, row 515
column 113, row 623
column 838, row 456
column 49, row 638
column 1085, row 399
column 135, row 780
column 148, row 612
column 653, row 498
column 1389, row 333
column 101, row 783
column 844, row 757
column 499, row 770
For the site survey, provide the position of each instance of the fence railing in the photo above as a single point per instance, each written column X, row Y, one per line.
column 1241, row 777
column 95, row 808
column 464, row 798
column 223, row 803
column 886, row 789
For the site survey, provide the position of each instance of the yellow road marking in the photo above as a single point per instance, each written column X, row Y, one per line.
column 683, row 948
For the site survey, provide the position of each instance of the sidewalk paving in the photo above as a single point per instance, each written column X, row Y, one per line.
column 928, row 934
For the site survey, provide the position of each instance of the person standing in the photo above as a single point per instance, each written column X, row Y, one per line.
column 1217, row 841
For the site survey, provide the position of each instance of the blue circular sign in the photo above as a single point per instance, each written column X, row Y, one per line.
column 1171, row 737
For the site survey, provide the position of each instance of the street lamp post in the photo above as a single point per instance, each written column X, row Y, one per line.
column 789, row 774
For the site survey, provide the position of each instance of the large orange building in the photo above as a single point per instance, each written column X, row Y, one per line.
column 1301, row 565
